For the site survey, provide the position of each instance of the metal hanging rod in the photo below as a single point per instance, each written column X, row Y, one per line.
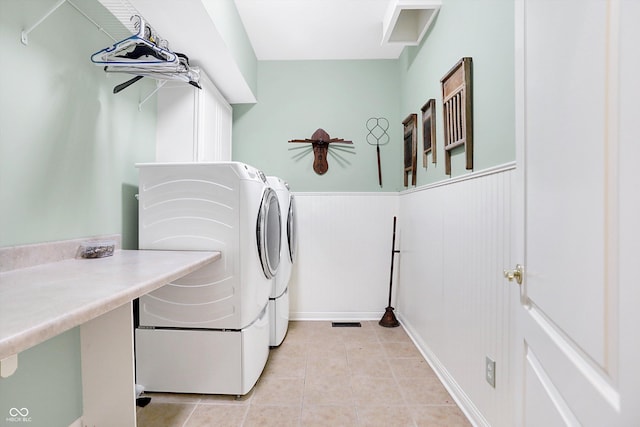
column 159, row 85
column 25, row 33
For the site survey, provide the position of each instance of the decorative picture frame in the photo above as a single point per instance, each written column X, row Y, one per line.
column 457, row 112
column 428, row 131
column 410, row 148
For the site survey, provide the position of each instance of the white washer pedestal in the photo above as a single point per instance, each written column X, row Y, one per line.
column 278, row 318
column 202, row 361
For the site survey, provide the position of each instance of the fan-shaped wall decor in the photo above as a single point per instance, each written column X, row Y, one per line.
column 320, row 141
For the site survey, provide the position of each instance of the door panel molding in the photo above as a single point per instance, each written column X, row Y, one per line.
column 588, row 367
column 611, row 166
column 550, row 390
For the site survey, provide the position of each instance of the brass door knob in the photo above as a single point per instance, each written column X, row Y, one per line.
column 514, row 274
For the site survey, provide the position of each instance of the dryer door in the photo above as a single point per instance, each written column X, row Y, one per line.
column 268, row 233
column 291, row 229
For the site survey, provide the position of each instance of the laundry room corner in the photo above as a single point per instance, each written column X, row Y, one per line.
column 344, row 215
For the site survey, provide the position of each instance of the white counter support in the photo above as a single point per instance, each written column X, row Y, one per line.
column 8, row 366
column 108, row 375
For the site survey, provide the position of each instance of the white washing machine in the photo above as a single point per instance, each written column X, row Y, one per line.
column 207, row 332
column 279, row 299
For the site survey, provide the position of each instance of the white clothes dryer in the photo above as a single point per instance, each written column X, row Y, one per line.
column 207, row 332
column 279, row 299
column 226, row 207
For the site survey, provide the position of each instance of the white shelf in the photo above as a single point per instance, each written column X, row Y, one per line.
column 190, row 29
column 407, row 21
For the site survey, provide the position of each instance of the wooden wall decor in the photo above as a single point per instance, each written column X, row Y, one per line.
column 410, row 148
column 457, row 112
column 320, row 141
column 429, row 131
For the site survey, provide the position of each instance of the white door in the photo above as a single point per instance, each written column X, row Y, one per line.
column 577, row 333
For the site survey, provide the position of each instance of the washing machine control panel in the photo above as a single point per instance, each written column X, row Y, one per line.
column 262, row 176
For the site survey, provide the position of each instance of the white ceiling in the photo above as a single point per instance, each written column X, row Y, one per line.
column 317, row 29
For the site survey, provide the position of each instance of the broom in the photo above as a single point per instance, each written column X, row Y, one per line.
column 389, row 318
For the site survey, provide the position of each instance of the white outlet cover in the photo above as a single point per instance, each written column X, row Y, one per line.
column 490, row 371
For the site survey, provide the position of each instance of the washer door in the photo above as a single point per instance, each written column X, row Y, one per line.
column 268, row 233
column 292, row 239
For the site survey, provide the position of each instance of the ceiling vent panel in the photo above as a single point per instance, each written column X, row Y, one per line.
column 407, row 21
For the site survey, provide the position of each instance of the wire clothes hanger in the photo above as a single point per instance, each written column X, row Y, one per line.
column 145, row 54
column 145, row 47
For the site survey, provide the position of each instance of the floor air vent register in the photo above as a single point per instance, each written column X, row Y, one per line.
column 346, row 324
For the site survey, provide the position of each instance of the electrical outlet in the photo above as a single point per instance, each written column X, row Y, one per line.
column 490, row 371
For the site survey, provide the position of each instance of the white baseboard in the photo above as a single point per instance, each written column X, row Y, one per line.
column 76, row 423
column 459, row 396
column 336, row 316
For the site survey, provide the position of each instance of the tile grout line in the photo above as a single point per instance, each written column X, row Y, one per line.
column 246, row 413
column 191, row 413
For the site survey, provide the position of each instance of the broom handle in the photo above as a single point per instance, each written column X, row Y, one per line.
column 393, row 252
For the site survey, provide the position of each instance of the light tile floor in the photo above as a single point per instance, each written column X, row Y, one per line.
column 324, row 376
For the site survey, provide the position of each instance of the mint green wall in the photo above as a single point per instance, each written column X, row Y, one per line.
column 483, row 30
column 67, row 143
column 67, row 151
column 297, row 97
column 228, row 23
column 48, row 383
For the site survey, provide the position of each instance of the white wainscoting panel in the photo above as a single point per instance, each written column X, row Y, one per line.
column 452, row 297
column 344, row 255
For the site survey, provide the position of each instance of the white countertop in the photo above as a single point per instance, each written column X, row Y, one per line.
column 38, row 303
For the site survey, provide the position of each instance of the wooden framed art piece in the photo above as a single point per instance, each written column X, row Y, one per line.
column 410, row 148
column 429, row 131
column 457, row 112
